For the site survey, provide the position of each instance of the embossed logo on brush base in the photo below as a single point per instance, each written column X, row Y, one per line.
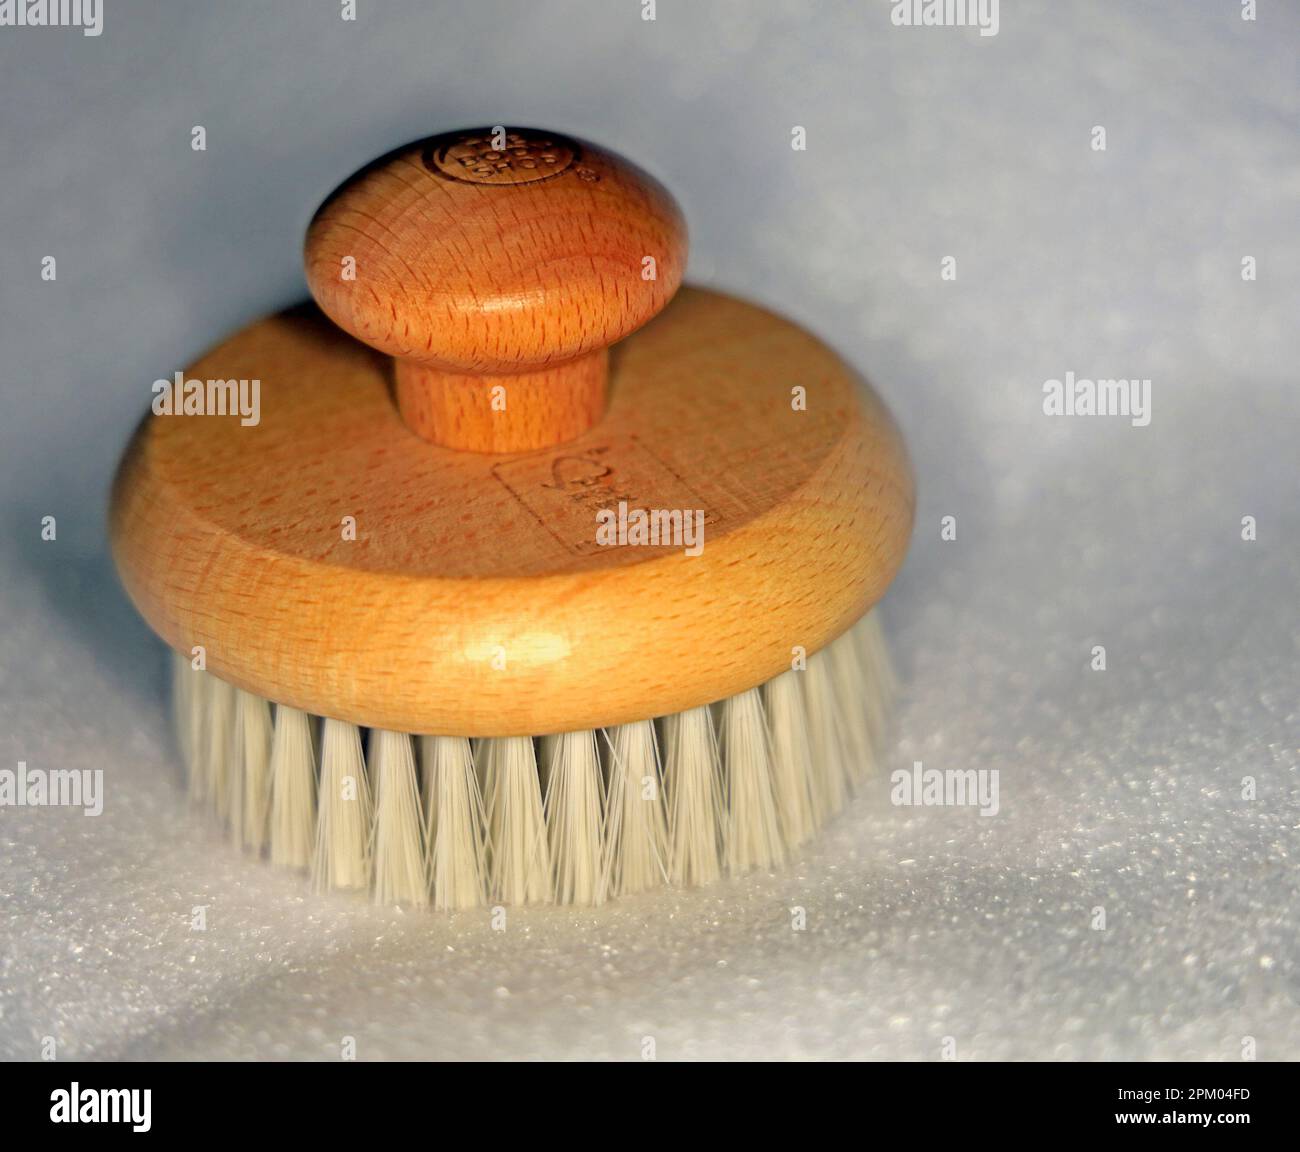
column 498, row 156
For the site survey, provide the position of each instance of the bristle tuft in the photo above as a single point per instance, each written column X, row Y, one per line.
column 293, row 789
column 829, row 775
column 792, row 762
column 692, row 778
column 219, row 747
column 343, row 825
column 753, row 837
column 852, row 691
column 454, row 832
column 574, row 819
column 636, row 826
column 881, row 682
column 398, row 842
column 189, row 712
column 250, row 776
column 518, row 856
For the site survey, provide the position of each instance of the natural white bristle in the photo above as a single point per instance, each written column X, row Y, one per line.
column 881, row 683
column 829, row 780
column 636, row 827
column 692, row 780
column 250, row 778
column 852, row 690
column 398, row 845
column 574, row 818
column 454, row 832
column 188, row 713
column 343, row 825
column 293, row 789
column 498, row 825
column 518, row 857
column 792, row 770
column 753, row 837
column 219, row 745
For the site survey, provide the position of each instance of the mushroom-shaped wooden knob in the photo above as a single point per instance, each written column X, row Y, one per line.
column 497, row 266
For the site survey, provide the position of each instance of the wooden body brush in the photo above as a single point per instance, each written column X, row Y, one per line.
column 532, row 565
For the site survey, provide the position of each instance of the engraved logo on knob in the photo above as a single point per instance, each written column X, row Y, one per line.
column 474, row 158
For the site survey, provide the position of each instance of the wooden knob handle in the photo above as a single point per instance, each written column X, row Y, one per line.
column 497, row 267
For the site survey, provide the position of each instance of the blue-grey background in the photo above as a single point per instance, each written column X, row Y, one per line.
column 1120, row 789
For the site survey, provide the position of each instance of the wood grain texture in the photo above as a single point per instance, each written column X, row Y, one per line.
column 458, row 410
column 475, row 599
column 513, row 265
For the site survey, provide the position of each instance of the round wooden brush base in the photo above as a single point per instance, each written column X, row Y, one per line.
column 330, row 558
